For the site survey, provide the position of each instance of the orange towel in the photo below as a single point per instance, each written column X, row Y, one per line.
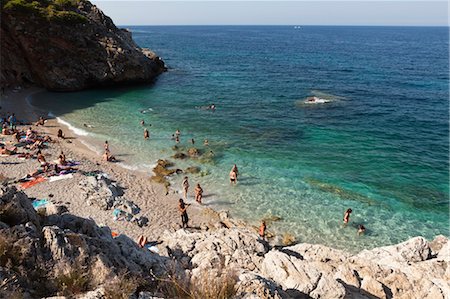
column 114, row 234
column 29, row 184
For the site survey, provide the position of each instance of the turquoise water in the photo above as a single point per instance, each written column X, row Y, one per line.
column 379, row 147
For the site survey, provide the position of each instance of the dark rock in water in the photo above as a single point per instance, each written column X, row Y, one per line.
column 69, row 45
column 193, row 169
column 194, row 152
column 179, row 156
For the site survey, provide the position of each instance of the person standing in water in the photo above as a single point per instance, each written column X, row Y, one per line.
column 184, row 216
column 146, row 134
column 361, row 230
column 233, row 177
column 206, row 143
column 198, row 193
column 347, row 216
column 142, row 122
column 235, row 169
column 185, row 185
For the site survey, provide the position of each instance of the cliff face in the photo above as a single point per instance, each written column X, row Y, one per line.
column 69, row 45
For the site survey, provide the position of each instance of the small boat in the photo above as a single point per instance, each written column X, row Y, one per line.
column 315, row 100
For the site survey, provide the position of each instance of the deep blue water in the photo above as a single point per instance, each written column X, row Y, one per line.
column 380, row 147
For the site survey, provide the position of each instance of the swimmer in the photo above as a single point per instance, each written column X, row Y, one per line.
column 193, row 141
column 177, row 139
column 361, row 230
column 142, row 122
column 146, row 134
column 177, row 132
column 198, row 193
column 205, row 143
column 347, row 216
column 185, row 185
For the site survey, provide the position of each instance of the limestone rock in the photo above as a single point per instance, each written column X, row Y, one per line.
column 70, row 47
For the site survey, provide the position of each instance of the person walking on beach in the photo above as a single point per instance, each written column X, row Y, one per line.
column 198, row 193
column 185, row 185
column 182, row 206
column 262, row 229
column 347, row 216
column 146, row 134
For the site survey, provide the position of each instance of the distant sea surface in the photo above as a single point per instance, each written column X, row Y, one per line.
column 380, row 147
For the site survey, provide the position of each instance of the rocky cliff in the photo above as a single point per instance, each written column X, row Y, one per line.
column 68, row 45
column 51, row 252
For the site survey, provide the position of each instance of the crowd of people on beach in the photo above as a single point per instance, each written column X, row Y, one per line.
column 28, row 144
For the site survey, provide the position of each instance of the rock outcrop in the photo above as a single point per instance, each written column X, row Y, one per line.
column 48, row 254
column 57, row 254
column 68, row 45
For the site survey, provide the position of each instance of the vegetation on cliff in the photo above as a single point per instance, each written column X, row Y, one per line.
column 51, row 10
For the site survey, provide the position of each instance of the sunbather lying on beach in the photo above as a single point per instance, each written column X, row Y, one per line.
column 7, row 151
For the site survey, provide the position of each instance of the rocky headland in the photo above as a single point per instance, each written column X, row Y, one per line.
column 68, row 45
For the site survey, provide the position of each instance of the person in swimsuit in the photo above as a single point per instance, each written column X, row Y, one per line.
column 361, row 230
column 205, row 143
column 184, row 216
column 177, row 133
column 233, row 177
column 347, row 216
column 62, row 159
column 142, row 122
column 235, row 169
column 198, row 193
column 177, row 139
column 185, row 185
column 106, row 146
column 59, row 135
column 262, row 229
column 193, row 141
column 146, row 134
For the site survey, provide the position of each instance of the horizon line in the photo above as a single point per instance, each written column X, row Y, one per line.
column 286, row 25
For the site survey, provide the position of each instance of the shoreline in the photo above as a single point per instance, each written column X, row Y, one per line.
column 137, row 180
column 160, row 209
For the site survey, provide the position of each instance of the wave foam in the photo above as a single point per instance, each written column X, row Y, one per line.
column 77, row 131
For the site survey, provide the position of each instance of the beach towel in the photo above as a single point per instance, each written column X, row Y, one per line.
column 30, row 184
column 38, row 203
column 114, row 234
column 60, row 177
column 151, row 248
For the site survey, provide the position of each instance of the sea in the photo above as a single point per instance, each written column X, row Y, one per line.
column 379, row 146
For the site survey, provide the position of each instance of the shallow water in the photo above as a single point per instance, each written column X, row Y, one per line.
column 380, row 147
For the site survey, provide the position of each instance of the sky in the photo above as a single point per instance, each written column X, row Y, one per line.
column 252, row 12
